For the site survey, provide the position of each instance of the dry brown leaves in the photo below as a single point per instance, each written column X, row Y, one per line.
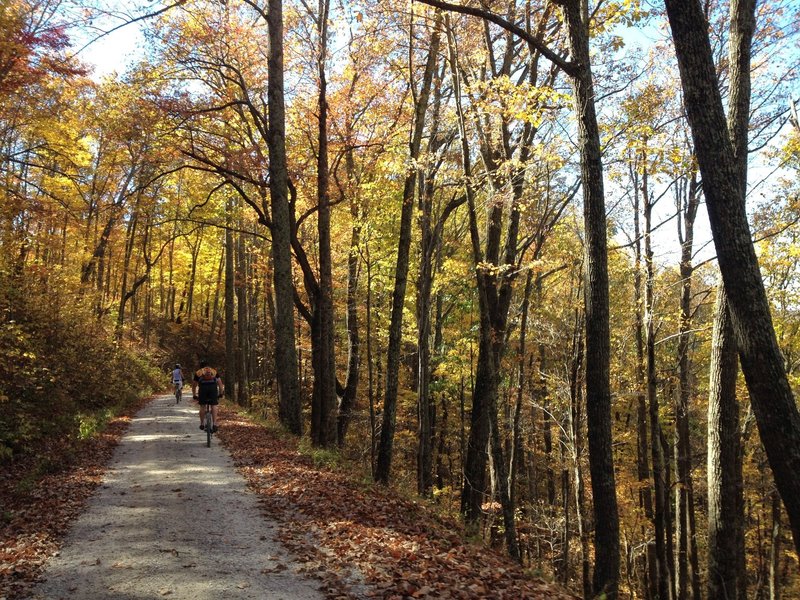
column 36, row 511
column 366, row 542
column 360, row 541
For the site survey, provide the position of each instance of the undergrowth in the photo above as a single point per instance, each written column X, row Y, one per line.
column 63, row 374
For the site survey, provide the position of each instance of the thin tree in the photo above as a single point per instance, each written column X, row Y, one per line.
column 598, row 388
column 385, row 447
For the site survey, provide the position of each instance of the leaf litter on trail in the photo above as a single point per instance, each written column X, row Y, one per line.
column 361, row 543
column 36, row 516
column 367, row 543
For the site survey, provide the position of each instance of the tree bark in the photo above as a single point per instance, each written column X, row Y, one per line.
column 242, row 321
column 727, row 578
column 576, row 430
column 723, row 458
column 324, row 403
column 598, row 389
column 642, row 446
column 684, row 505
column 385, row 448
column 230, row 302
column 660, row 488
column 285, row 352
column 774, row 406
column 348, row 397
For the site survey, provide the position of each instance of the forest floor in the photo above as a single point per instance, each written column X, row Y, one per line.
column 348, row 538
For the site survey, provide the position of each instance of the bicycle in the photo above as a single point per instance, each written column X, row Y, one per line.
column 208, row 422
column 178, row 391
column 209, row 425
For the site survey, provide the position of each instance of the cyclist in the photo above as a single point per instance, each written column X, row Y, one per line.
column 177, row 379
column 207, row 389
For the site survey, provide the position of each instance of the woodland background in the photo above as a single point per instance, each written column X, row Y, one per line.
column 386, row 241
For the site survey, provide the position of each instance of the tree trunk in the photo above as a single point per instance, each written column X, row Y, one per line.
column 189, row 291
column 348, row 398
column 774, row 406
column 660, row 488
column 242, row 321
column 370, row 369
column 130, row 242
column 428, row 244
column 684, row 509
column 385, row 447
column 643, row 450
column 230, row 300
column 727, row 578
column 324, row 401
column 285, row 352
column 724, row 483
column 516, row 439
column 576, row 430
column 215, row 308
column 775, row 549
column 598, row 391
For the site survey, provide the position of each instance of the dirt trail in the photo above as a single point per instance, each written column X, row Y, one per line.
column 172, row 519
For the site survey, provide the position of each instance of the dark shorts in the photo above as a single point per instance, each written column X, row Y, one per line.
column 208, row 396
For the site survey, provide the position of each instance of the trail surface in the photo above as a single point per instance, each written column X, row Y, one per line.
column 172, row 519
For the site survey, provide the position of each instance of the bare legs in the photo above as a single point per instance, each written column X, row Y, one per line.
column 214, row 410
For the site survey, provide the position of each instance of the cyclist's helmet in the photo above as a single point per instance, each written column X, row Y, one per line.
column 177, row 365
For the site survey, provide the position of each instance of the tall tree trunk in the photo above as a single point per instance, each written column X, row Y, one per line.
column 775, row 548
column 724, row 520
column 776, row 412
column 598, row 390
column 385, row 447
column 370, row 368
column 215, row 308
column 669, row 529
column 430, row 251
column 473, row 447
column 242, row 320
column 347, row 400
column 499, row 460
column 230, row 300
column 642, row 446
column 725, row 488
column 576, row 431
column 424, row 401
column 660, row 488
column 130, row 242
column 428, row 245
column 727, row 579
column 348, row 397
column 516, row 439
column 324, row 401
column 189, row 291
column 285, row 352
column 543, row 397
column 684, row 509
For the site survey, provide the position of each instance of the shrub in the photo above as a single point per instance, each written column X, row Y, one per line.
column 61, row 372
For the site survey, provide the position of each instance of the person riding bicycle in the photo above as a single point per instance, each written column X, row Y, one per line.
column 207, row 389
column 177, row 377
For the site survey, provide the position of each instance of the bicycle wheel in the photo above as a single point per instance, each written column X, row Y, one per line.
column 209, row 425
column 178, row 394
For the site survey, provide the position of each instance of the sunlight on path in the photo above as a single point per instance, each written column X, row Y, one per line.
column 172, row 519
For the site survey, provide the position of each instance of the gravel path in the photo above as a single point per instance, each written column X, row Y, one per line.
column 172, row 519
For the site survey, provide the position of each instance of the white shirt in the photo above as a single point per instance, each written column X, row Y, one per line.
column 177, row 376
